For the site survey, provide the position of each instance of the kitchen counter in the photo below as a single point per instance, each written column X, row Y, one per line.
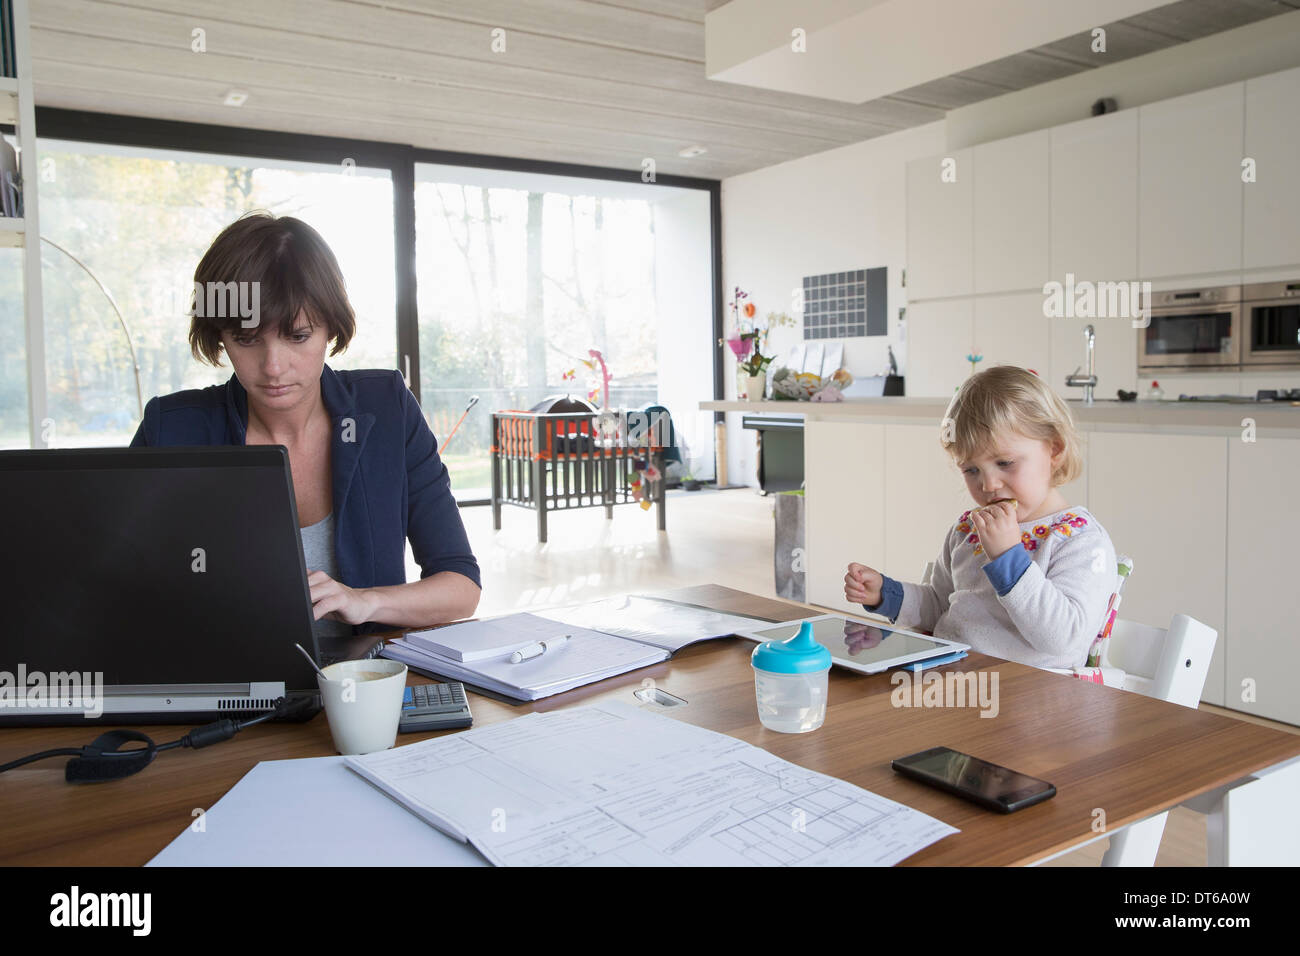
column 1271, row 419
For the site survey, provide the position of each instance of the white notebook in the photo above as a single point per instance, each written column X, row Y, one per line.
column 486, row 639
column 588, row 656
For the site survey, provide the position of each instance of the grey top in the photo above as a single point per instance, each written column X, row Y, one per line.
column 318, row 550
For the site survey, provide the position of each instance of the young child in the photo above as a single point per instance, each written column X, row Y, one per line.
column 1026, row 579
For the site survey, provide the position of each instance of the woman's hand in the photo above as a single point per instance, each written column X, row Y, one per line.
column 996, row 525
column 337, row 601
column 862, row 585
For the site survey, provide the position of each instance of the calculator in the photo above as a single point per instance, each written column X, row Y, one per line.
column 428, row 707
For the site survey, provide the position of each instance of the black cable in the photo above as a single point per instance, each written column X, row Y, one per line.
column 62, row 752
column 103, row 760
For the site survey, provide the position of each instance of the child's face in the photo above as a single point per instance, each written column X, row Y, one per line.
column 1012, row 466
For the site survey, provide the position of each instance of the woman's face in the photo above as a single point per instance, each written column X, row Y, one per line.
column 279, row 370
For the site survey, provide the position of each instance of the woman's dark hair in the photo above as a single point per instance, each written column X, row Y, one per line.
column 262, row 272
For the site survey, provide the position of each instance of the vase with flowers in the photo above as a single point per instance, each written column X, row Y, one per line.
column 748, row 342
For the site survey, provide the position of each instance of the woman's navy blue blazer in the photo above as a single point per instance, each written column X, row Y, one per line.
column 389, row 483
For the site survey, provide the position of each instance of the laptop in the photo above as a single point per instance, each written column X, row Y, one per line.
column 153, row 585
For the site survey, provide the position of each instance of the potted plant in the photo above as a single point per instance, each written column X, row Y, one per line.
column 749, row 342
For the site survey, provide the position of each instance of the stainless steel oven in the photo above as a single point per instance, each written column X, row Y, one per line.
column 1271, row 319
column 1193, row 329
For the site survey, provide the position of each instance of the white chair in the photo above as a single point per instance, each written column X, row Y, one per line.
column 1166, row 663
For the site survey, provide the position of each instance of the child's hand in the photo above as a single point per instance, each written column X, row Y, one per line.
column 996, row 525
column 862, row 585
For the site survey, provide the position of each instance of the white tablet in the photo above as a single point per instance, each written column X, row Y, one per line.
column 865, row 646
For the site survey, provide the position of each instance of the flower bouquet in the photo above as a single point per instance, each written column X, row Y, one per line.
column 749, row 342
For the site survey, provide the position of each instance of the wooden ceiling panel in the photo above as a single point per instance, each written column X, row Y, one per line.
column 584, row 81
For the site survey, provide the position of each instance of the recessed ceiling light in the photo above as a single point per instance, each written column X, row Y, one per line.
column 692, row 151
column 235, row 97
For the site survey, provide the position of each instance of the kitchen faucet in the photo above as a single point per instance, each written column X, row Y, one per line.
column 1074, row 379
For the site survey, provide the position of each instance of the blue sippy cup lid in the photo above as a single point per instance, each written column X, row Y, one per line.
column 801, row 654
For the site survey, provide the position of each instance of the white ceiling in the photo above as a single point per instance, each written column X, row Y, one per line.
column 599, row 82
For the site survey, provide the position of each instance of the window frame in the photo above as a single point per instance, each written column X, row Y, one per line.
column 399, row 159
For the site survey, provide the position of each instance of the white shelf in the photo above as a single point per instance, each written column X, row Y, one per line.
column 12, row 232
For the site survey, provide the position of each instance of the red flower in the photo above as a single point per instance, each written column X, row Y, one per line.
column 972, row 539
column 1078, row 522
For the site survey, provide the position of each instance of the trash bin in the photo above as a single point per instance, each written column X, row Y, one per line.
column 789, row 560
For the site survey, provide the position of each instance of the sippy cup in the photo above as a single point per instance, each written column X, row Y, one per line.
column 790, row 682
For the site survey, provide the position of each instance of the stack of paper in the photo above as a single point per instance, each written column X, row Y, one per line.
column 612, row 785
column 478, row 652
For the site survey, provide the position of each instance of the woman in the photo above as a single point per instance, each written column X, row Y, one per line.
column 366, row 471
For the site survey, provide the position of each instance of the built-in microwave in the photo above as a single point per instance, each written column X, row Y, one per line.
column 1192, row 329
column 1271, row 320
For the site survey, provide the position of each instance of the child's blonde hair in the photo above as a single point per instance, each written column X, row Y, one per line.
column 1005, row 398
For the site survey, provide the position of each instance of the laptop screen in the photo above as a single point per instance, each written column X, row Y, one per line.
column 154, row 565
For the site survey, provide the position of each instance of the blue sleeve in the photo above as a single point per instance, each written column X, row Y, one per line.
column 433, row 522
column 1005, row 570
column 891, row 599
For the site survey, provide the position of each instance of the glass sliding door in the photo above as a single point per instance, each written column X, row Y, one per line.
column 522, row 275
column 138, row 221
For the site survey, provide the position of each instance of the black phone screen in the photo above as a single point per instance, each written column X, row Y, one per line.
column 977, row 777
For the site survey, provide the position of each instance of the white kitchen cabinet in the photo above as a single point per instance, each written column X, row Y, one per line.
column 925, row 494
column 1272, row 202
column 939, row 257
column 1094, row 198
column 939, row 337
column 1114, row 355
column 1263, row 612
column 1189, row 183
column 844, row 505
column 1011, row 201
column 1012, row 330
column 1163, row 500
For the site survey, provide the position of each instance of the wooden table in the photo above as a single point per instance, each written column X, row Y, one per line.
column 1127, row 755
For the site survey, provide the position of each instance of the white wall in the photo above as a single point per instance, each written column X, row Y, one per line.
column 831, row 212
column 684, row 297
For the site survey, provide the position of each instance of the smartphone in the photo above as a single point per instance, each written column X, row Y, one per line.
column 992, row 787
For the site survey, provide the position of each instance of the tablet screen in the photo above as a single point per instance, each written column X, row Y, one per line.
column 857, row 642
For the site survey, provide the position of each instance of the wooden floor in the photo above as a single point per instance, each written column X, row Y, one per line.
column 719, row 537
